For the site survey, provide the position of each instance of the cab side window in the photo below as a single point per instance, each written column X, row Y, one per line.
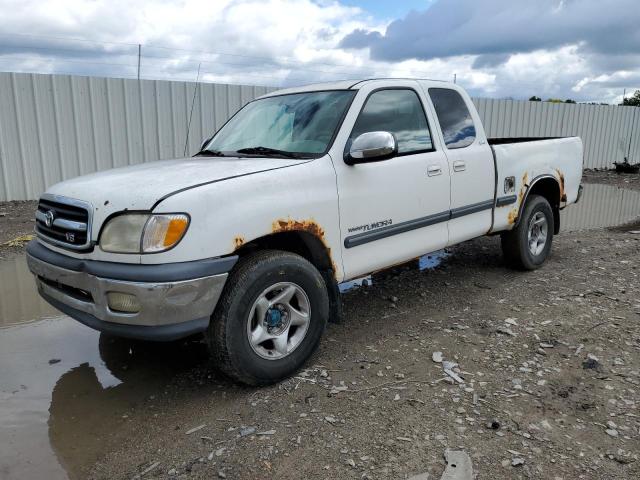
column 454, row 117
column 398, row 111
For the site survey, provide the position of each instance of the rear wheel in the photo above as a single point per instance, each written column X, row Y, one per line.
column 270, row 317
column 527, row 246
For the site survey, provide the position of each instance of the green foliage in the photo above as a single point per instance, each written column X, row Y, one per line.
column 551, row 100
column 632, row 101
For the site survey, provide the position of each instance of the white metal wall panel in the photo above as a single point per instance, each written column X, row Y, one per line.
column 55, row 127
column 609, row 133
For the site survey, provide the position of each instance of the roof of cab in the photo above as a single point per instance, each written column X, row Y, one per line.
column 339, row 85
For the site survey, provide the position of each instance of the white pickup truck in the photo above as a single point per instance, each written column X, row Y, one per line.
column 302, row 189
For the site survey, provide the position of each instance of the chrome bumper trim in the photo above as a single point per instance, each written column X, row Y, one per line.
column 162, row 303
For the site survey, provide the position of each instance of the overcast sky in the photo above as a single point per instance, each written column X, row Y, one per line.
column 587, row 50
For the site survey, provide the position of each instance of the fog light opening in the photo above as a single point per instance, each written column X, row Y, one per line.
column 123, row 302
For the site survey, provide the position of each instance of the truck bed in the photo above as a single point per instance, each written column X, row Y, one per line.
column 507, row 140
column 526, row 160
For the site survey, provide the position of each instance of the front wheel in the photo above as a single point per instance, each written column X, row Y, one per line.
column 527, row 246
column 270, row 317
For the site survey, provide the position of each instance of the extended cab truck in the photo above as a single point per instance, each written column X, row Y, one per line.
column 300, row 190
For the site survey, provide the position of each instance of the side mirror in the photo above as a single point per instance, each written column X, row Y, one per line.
column 371, row 147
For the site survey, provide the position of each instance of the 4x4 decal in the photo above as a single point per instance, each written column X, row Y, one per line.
column 371, row 226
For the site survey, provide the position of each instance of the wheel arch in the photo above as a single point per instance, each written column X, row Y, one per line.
column 301, row 242
column 548, row 187
column 308, row 243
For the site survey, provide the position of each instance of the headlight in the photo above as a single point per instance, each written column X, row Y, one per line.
column 122, row 234
column 143, row 233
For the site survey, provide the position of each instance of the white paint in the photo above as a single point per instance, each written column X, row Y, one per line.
column 397, row 189
column 326, row 191
column 57, row 127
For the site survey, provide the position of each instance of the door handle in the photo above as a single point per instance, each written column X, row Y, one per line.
column 459, row 166
column 434, row 170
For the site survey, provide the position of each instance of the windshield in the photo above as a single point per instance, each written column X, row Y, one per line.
column 302, row 124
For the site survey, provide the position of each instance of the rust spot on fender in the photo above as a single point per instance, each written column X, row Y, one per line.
column 563, row 195
column 309, row 226
column 289, row 225
column 512, row 216
column 523, row 187
column 238, row 241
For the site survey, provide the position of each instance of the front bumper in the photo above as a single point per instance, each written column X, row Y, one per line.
column 176, row 300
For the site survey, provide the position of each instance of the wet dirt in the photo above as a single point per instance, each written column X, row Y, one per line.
column 425, row 262
column 65, row 389
column 611, row 177
column 16, row 219
column 77, row 404
column 601, row 206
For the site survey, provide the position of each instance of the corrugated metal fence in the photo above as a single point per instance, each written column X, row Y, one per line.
column 55, row 127
column 608, row 132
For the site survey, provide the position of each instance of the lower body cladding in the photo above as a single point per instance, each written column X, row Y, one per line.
column 150, row 302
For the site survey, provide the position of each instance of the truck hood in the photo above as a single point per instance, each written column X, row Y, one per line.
column 140, row 187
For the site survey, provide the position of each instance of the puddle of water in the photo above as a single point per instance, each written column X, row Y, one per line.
column 601, row 206
column 432, row 260
column 57, row 418
column 425, row 262
column 18, row 301
column 357, row 283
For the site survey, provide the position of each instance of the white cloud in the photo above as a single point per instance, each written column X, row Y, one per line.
column 284, row 42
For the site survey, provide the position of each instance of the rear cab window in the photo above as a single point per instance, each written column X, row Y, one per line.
column 454, row 118
column 400, row 112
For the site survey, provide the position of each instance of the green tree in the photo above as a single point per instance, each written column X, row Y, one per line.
column 535, row 99
column 568, row 100
column 632, row 101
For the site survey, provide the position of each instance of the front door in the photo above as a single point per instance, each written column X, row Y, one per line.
column 397, row 209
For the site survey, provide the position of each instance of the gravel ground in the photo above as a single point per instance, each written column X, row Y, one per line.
column 549, row 363
column 610, row 177
column 16, row 221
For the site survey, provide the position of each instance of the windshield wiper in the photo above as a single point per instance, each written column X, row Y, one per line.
column 209, row 153
column 268, row 151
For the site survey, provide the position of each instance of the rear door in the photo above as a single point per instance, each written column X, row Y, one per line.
column 393, row 210
column 470, row 163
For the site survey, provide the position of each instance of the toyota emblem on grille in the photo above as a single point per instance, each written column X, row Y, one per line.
column 49, row 216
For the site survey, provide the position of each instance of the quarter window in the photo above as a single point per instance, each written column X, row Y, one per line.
column 399, row 112
column 454, row 117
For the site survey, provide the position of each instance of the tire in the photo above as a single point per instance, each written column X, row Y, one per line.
column 242, row 315
column 515, row 243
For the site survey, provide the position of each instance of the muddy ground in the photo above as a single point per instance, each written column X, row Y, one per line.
column 610, row 177
column 549, row 360
column 16, row 220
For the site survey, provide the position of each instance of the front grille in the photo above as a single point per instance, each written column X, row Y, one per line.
column 64, row 222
